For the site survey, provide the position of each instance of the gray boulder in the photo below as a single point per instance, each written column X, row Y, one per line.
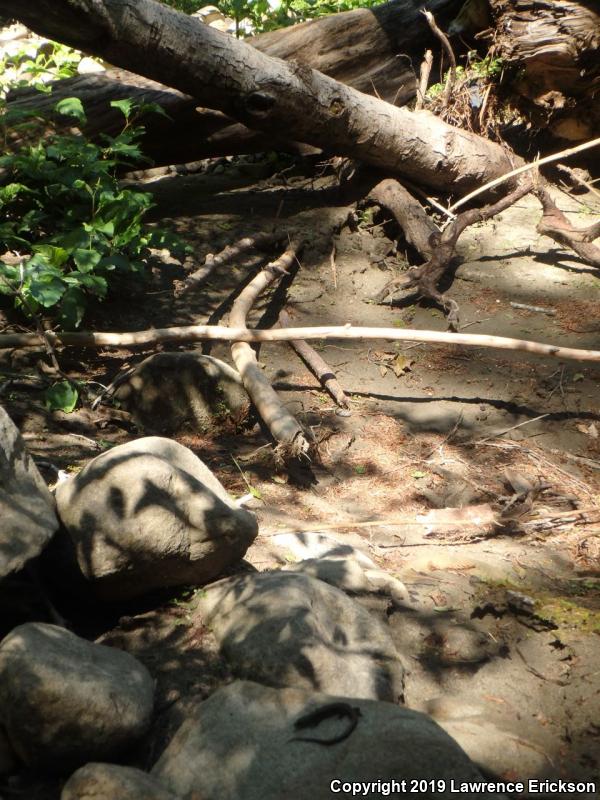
column 169, row 392
column 27, row 515
column 112, row 782
column 150, row 514
column 286, row 629
column 65, row 701
column 8, row 758
column 339, row 564
column 242, row 743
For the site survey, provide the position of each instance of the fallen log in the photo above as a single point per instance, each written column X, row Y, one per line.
column 195, row 333
column 373, row 50
column 265, row 93
column 188, row 133
column 419, row 230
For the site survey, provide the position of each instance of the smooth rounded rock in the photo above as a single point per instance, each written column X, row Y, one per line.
column 289, row 629
column 65, row 701
column 244, row 742
column 170, row 392
column 149, row 514
column 113, row 782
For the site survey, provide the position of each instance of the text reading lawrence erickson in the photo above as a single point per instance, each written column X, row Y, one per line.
column 390, row 788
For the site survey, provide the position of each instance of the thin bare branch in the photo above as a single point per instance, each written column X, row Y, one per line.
column 195, row 333
column 450, row 80
column 520, row 170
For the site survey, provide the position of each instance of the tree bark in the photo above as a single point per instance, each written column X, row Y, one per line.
column 375, row 51
column 265, row 93
column 552, row 49
column 188, row 134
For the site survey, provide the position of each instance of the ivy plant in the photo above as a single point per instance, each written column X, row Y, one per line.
column 69, row 226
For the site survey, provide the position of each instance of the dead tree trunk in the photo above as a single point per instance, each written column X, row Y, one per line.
column 188, row 134
column 552, row 47
column 265, row 93
column 376, row 51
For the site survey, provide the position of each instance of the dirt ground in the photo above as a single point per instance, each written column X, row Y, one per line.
column 502, row 637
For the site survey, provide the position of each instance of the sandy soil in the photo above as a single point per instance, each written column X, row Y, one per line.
column 525, row 678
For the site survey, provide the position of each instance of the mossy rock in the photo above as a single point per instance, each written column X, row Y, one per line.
column 183, row 391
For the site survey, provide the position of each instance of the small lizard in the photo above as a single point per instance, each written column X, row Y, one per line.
column 314, row 718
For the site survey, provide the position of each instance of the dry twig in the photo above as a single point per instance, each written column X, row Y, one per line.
column 524, row 168
column 449, row 51
column 229, row 253
column 317, row 365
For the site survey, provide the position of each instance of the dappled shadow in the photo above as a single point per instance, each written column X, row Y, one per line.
column 283, row 628
column 130, row 531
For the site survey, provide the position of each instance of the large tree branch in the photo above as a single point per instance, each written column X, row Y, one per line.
column 195, row 333
column 284, row 427
column 265, row 93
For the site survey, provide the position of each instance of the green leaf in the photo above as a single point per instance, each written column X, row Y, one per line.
column 114, row 261
column 72, row 307
column 9, row 278
column 46, row 289
column 72, row 107
column 98, row 226
column 11, row 191
column 125, row 106
column 417, row 474
column 154, row 108
column 86, row 260
column 55, row 256
column 61, row 396
column 95, row 284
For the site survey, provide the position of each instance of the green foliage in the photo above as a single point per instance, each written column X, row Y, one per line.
column 35, row 65
column 187, row 6
column 267, row 15
column 487, row 67
column 61, row 396
column 477, row 68
column 62, row 210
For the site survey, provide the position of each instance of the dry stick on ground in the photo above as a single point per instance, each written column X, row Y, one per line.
column 438, row 248
column 219, row 333
column 291, row 438
column 317, row 365
column 424, row 79
column 450, row 52
column 229, row 253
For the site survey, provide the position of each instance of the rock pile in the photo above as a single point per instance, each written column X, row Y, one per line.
column 319, row 689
